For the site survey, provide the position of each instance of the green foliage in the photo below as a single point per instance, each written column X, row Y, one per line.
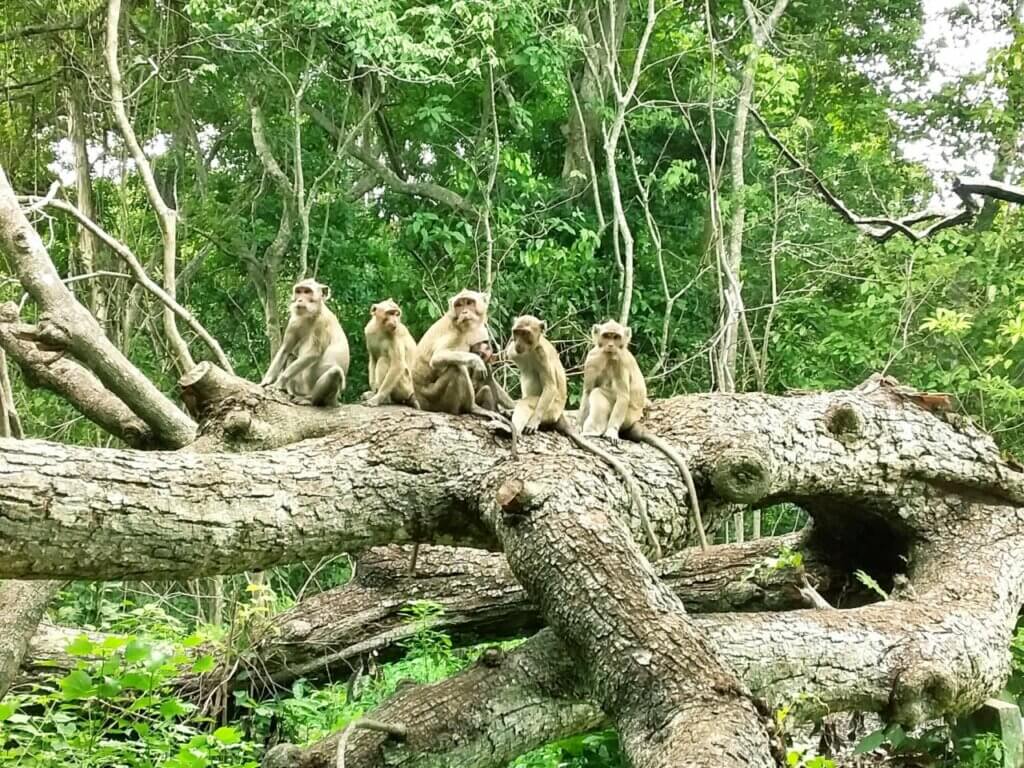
column 118, row 707
column 869, row 582
column 591, row 750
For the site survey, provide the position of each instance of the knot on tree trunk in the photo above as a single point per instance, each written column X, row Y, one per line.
column 517, row 499
column 921, row 689
column 845, row 422
column 51, row 334
column 742, row 475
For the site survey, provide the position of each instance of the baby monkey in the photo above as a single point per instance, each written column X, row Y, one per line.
column 317, row 342
column 614, row 398
column 489, row 393
column 391, row 349
column 544, row 394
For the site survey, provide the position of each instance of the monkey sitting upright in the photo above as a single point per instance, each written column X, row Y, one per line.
column 544, row 394
column 614, row 398
column 444, row 370
column 391, row 349
column 315, row 342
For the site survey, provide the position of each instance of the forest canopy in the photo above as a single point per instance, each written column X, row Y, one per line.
column 802, row 219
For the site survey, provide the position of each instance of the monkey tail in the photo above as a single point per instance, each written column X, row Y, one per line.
column 638, row 433
column 635, row 495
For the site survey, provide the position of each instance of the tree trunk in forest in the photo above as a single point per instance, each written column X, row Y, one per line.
column 732, row 312
column 601, row 27
column 1008, row 133
column 87, row 243
column 22, row 604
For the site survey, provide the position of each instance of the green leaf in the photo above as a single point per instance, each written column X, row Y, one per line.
column 81, row 646
column 136, row 651
column 138, row 680
column 204, row 664
column 172, row 707
column 227, row 735
column 8, row 708
column 76, row 685
column 872, row 741
column 895, row 735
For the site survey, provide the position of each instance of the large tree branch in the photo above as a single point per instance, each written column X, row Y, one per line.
column 881, row 228
column 327, row 635
column 228, row 512
column 22, row 604
column 66, row 324
column 871, row 465
column 66, row 377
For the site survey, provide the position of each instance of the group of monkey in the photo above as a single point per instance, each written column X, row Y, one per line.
column 449, row 371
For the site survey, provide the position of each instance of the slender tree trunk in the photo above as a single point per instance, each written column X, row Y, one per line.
column 87, row 243
column 732, row 318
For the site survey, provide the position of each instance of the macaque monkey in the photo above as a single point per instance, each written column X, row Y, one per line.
column 391, row 349
column 614, row 398
column 489, row 393
column 444, row 370
column 316, row 344
column 544, row 393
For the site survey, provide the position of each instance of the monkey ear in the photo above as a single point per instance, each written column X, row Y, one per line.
column 326, row 291
column 627, row 334
column 543, row 326
column 594, row 330
column 485, row 298
column 373, row 308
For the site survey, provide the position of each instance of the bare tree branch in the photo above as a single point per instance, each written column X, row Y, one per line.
column 881, row 228
column 66, row 324
column 166, row 215
column 139, row 272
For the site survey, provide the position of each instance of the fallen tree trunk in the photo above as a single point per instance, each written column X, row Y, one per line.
column 888, row 484
column 329, row 634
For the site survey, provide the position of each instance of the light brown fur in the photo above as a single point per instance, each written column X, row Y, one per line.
column 613, row 402
column 391, row 349
column 445, row 372
column 444, row 367
column 542, row 376
column 543, row 382
column 489, row 393
column 316, row 344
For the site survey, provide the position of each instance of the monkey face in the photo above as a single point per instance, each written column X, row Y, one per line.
column 527, row 330
column 483, row 350
column 610, row 337
column 387, row 314
column 468, row 307
column 307, row 298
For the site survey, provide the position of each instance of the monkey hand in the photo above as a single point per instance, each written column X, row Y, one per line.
column 612, row 436
column 531, row 426
column 479, row 368
column 367, row 395
column 266, row 380
column 374, row 401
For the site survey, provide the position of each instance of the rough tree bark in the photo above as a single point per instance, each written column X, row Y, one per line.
column 328, row 634
column 873, row 465
column 65, row 325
